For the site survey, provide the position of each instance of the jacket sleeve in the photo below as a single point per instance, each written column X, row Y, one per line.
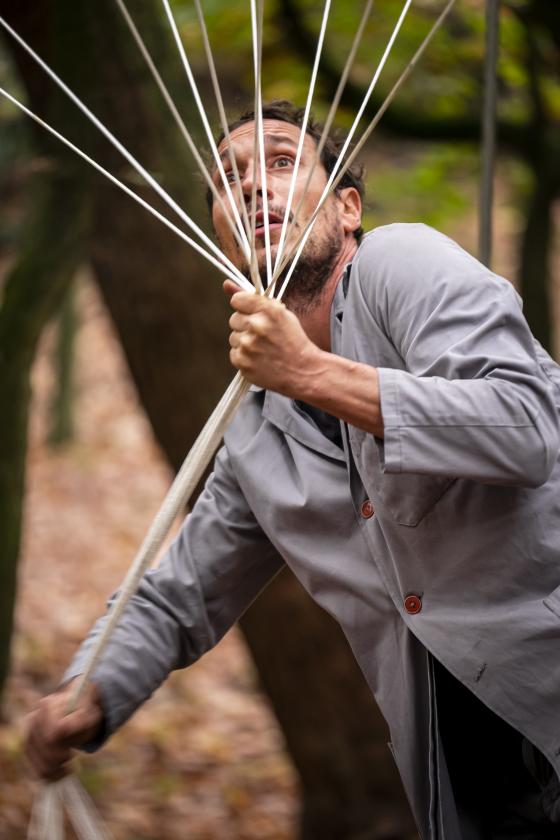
column 472, row 400
column 215, row 567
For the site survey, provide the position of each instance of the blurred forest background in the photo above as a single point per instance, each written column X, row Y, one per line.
column 113, row 350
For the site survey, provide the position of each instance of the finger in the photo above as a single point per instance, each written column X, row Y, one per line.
column 244, row 302
column 239, row 359
column 47, row 762
column 230, row 288
column 239, row 322
column 49, row 770
column 52, row 727
column 79, row 727
column 259, row 324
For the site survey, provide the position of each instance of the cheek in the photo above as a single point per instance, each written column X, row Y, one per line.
column 221, row 228
column 310, row 202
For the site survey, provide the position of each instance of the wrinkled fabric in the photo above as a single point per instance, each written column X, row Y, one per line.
column 466, row 491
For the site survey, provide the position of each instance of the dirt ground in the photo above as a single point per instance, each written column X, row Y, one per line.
column 204, row 757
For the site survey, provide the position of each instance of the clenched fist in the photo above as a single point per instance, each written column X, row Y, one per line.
column 52, row 734
column 268, row 344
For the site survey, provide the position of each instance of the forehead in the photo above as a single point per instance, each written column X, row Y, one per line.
column 275, row 132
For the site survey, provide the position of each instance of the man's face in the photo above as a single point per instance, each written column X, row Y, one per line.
column 280, row 146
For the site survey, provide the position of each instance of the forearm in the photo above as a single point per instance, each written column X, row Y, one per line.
column 344, row 388
column 214, row 568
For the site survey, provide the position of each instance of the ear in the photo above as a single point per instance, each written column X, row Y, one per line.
column 351, row 209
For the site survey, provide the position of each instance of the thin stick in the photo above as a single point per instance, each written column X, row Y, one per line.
column 327, row 191
column 244, row 243
column 305, row 120
column 202, row 112
column 256, row 29
column 118, row 145
column 223, row 117
column 237, row 277
column 332, row 111
column 177, row 497
column 82, row 812
column 335, row 179
column 354, row 127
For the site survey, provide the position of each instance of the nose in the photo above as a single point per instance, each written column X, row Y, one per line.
column 250, row 178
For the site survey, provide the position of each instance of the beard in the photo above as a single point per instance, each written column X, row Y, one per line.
column 313, row 269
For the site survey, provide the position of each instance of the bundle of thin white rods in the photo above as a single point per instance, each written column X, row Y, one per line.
column 47, row 820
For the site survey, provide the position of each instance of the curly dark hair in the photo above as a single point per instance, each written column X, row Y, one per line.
column 285, row 111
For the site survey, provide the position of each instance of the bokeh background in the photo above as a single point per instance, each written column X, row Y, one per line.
column 113, row 350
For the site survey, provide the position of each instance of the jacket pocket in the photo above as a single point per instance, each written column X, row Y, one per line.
column 410, row 497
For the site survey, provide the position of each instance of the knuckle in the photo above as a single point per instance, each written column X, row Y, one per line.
column 260, row 324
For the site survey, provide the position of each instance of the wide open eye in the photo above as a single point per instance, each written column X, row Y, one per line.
column 282, row 162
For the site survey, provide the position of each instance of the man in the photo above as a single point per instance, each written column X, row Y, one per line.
column 427, row 521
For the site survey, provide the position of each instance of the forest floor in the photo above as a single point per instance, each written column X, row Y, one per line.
column 204, row 757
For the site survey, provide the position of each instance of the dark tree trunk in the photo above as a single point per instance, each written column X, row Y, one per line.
column 534, row 269
column 333, row 729
column 171, row 317
column 62, row 424
column 51, row 250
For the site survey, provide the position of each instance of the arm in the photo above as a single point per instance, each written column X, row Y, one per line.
column 216, row 566
column 471, row 400
column 271, row 349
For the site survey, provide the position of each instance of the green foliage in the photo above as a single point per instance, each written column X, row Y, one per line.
column 434, row 186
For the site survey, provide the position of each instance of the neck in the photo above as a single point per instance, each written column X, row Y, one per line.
column 317, row 321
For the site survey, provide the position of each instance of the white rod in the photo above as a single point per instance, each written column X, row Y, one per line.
column 118, row 145
column 225, row 127
column 177, row 497
column 333, row 109
column 256, row 29
column 203, row 117
column 302, row 134
column 244, row 244
column 82, row 812
column 237, row 278
column 254, row 178
column 363, row 139
column 327, row 190
column 371, row 87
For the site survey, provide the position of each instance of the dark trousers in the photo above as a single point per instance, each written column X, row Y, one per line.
column 502, row 785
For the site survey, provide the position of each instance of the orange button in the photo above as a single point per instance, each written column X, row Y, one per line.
column 367, row 509
column 413, row 604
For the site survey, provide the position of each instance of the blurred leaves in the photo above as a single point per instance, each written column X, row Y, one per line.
column 435, row 186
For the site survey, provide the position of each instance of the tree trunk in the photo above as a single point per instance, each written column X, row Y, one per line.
column 536, row 248
column 171, row 317
column 62, row 424
column 333, row 728
column 51, row 251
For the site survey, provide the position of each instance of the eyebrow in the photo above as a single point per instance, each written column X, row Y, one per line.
column 269, row 140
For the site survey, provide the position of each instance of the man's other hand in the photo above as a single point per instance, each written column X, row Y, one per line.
column 268, row 344
column 52, row 734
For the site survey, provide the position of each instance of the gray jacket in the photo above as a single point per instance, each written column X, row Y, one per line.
column 466, row 492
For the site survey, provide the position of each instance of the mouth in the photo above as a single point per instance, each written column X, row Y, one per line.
column 274, row 223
